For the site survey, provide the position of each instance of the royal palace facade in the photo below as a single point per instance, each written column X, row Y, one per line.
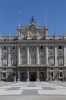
column 33, row 55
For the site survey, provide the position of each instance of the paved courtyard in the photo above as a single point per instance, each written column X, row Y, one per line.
column 25, row 90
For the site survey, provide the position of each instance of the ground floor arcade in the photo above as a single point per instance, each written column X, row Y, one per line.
column 24, row 74
column 32, row 74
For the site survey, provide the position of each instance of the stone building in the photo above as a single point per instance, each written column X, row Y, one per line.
column 32, row 55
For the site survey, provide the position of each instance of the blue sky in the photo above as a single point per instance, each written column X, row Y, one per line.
column 55, row 12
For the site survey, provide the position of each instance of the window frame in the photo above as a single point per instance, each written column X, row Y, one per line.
column 4, row 46
column 51, row 48
column 4, row 60
column 51, row 63
column 60, row 59
column 59, row 47
column 13, row 48
column 41, row 47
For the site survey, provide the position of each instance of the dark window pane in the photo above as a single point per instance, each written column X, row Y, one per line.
column 60, row 47
column 41, row 47
column 4, row 47
column 13, row 47
column 51, row 47
column 60, row 74
column 52, row 74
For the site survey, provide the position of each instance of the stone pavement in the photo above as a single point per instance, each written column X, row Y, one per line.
column 33, row 90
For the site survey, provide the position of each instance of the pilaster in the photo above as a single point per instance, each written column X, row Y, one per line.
column 0, row 56
column 56, row 55
column 18, row 55
column 37, row 54
column 37, row 74
column 18, row 75
column 27, row 54
column 46, row 54
column 27, row 74
column 9, row 56
column 64, row 55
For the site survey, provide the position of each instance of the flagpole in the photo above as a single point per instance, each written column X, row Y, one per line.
column 45, row 18
column 19, row 19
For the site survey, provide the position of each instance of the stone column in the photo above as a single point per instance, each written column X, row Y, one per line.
column 47, row 74
column 37, row 74
column 9, row 56
column 18, row 75
column 27, row 54
column 0, row 56
column 37, row 55
column 27, row 74
column 64, row 55
column 18, row 55
column 56, row 55
column 46, row 55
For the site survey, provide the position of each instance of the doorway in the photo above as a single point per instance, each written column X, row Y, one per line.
column 23, row 76
column 42, row 76
column 32, row 76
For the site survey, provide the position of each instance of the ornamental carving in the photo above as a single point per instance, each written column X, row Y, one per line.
column 32, row 49
column 51, row 52
column 60, row 52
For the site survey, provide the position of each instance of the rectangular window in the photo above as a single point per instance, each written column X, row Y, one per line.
column 52, row 74
column 24, row 60
column 4, row 61
column 13, row 74
column 14, row 62
column 4, row 75
column 41, row 47
column 51, row 47
column 4, row 47
column 51, row 61
column 61, row 74
column 41, row 60
column 14, row 48
column 23, row 47
column 60, row 61
column 33, row 60
column 60, row 47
